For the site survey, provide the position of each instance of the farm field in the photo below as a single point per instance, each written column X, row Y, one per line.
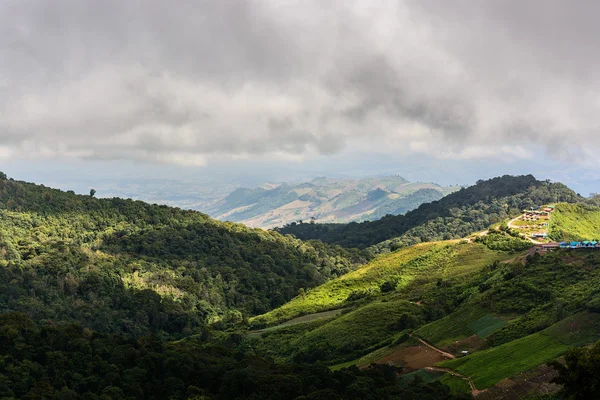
column 488, row 367
column 413, row 358
column 466, row 321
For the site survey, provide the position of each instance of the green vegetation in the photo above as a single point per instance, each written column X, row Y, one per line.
column 457, row 215
column 575, row 222
column 457, row 385
column 489, row 367
column 356, row 333
column 66, row 361
column 117, row 299
column 118, row 265
column 487, row 325
column 504, row 241
column 580, row 373
column 452, row 327
column 436, row 260
column 422, row 375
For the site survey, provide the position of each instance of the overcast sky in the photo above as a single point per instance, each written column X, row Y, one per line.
column 192, row 84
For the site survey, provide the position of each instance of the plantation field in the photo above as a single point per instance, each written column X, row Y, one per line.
column 575, row 222
column 487, row 325
column 430, row 261
column 488, row 367
column 466, row 321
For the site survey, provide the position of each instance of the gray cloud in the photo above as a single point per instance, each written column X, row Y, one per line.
column 186, row 82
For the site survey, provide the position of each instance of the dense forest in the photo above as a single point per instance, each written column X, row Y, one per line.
column 457, row 215
column 67, row 361
column 117, row 265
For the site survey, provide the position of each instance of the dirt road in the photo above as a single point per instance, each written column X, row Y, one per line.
column 442, row 352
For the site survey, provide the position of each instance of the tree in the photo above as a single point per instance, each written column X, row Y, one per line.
column 92, row 192
column 580, row 375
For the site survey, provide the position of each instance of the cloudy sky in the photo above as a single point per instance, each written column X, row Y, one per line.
column 423, row 87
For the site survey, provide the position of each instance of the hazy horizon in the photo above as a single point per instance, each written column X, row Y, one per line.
column 241, row 93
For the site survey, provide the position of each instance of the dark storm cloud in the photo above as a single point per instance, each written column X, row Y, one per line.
column 182, row 82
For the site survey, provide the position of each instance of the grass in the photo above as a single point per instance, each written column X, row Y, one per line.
column 488, row 367
column 435, row 260
column 575, row 222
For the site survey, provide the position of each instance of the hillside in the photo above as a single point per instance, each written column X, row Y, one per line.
column 448, row 299
column 575, row 222
column 456, row 215
column 325, row 200
column 118, row 265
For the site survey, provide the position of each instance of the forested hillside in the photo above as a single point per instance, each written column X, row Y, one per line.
column 458, row 214
column 325, row 200
column 118, row 265
column 95, row 293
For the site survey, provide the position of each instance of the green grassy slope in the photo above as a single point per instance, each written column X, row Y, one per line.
column 432, row 261
column 575, row 222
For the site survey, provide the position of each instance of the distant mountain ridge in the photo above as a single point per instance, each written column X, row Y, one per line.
column 459, row 214
column 325, row 200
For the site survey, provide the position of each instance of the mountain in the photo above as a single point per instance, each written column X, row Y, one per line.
column 116, row 265
column 118, row 299
column 456, row 215
column 325, row 200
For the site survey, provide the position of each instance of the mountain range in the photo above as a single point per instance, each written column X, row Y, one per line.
column 118, row 299
column 325, row 200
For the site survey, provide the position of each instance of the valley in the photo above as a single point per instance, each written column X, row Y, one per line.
column 459, row 317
